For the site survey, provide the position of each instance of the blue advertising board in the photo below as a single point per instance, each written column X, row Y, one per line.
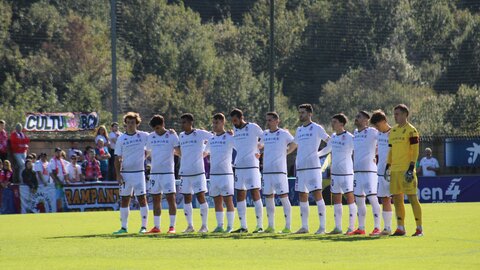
column 449, row 189
column 462, row 152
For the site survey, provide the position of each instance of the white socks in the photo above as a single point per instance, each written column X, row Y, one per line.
column 204, row 213
column 259, row 212
column 144, row 214
column 188, row 209
column 353, row 214
column 124, row 216
column 304, row 209
column 219, row 216
column 387, row 219
column 373, row 199
column 230, row 218
column 242, row 213
column 156, row 221
column 338, row 211
column 287, row 210
column 322, row 213
column 270, row 205
column 173, row 219
column 362, row 212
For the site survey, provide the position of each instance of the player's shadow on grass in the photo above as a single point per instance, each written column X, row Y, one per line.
column 248, row 236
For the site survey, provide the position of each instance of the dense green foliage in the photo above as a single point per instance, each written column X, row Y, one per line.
column 201, row 57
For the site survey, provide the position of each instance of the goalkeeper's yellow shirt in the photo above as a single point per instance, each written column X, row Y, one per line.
column 404, row 147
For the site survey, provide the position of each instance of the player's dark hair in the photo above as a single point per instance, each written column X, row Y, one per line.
column 236, row 113
column 364, row 113
column 377, row 117
column 219, row 116
column 342, row 118
column 187, row 116
column 114, row 124
column 274, row 115
column 403, row 108
column 132, row 115
column 157, row 120
column 307, row 107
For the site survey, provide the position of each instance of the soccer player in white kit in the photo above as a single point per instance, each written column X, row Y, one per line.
column 365, row 181
column 340, row 145
column 130, row 169
column 247, row 172
column 277, row 143
column 220, row 148
column 309, row 172
column 379, row 121
column 192, row 170
column 161, row 145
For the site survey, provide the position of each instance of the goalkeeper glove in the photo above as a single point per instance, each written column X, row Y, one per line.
column 409, row 174
column 386, row 174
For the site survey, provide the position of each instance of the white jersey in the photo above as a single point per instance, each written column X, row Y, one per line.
column 429, row 162
column 275, row 150
column 308, row 139
column 192, row 146
column 365, row 147
column 342, row 151
column 162, row 151
column 131, row 147
column 246, row 145
column 58, row 167
column 383, row 150
column 220, row 148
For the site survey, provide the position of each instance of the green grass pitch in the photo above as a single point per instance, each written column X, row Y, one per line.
column 84, row 241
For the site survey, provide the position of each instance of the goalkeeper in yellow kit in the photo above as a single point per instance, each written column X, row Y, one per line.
column 404, row 148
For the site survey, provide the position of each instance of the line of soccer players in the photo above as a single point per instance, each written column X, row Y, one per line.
column 361, row 165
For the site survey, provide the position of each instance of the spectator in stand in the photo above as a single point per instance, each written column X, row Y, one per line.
column 91, row 167
column 74, row 170
column 19, row 143
column 64, row 157
column 41, row 169
column 3, row 142
column 102, row 155
column 32, row 156
column 58, row 172
column 112, row 137
column 101, row 133
column 29, row 177
column 6, row 176
column 429, row 164
column 74, row 150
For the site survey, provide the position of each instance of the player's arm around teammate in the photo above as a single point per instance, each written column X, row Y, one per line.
column 129, row 165
column 220, row 148
column 161, row 145
column 309, row 174
column 277, row 143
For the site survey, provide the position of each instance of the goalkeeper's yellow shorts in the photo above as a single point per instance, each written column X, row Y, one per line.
column 399, row 185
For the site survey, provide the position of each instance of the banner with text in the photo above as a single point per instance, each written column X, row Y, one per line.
column 92, row 196
column 462, row 152
column 70, row 121
column 449, row 189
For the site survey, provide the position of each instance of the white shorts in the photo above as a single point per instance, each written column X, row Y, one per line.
column 133, row 182
column 383, row 188
column 221, row 185
column 341, row 184
column 275, row 183
column 365, row 183
column 246, row 179
column 193, row 184
column 308, row 180
column 162, row 184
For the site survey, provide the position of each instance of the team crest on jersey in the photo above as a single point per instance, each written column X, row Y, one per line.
column 224, row 137
column 311, row 128
column 166, row 135
column 246, row 128
column 343, row 137
column 278, row 133
column 138, row 135
column 404, row 130
column 154, row 136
